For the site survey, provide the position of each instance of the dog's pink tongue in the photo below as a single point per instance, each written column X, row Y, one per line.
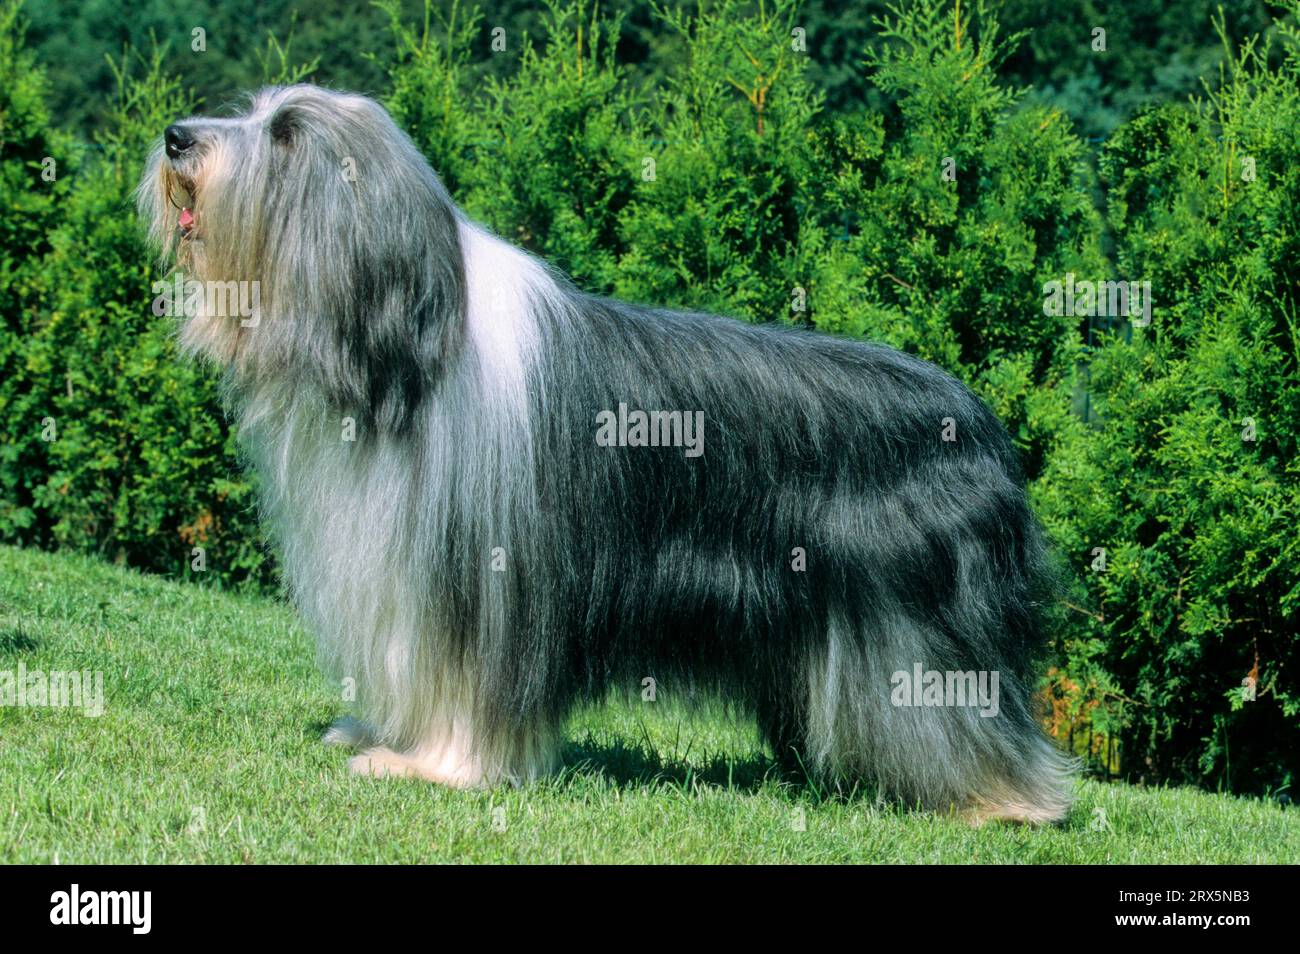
column 187, row 219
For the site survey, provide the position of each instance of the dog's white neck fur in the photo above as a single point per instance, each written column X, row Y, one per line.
column 501, row 282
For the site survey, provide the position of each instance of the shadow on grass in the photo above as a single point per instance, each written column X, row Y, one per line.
column 634, row 765
column 17, row 640
column 629, row 765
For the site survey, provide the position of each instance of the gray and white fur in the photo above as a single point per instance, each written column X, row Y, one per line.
column 479, row 564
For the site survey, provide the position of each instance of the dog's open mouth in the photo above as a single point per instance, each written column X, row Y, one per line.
column 184, row 200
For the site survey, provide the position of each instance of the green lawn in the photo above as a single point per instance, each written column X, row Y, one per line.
column 208, row 751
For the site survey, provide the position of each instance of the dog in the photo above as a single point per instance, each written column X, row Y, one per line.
column 495, row 496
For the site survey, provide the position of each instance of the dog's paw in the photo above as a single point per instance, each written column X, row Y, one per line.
column 382, row 762
column 1013, row 812
column 352, row 733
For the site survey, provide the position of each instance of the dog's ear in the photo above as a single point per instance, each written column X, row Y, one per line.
column 403, row 304
column 388, row 267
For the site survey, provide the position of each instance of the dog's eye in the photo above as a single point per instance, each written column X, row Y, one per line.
column 282, row 128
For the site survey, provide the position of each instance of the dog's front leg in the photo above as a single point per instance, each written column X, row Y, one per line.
column 454, row 757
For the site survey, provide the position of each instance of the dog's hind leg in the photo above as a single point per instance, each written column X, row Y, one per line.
column 1033, row 789
column 983, row 758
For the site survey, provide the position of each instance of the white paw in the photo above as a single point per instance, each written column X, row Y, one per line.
column 381, row 762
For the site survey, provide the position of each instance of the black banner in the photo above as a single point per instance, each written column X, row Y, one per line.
column 134, row 904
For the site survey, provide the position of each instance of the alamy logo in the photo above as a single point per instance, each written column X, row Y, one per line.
column 103, row 907
column 931, row 687
column 1084, row 299
column 181, row 298
column 651, row 429
column 37, row 689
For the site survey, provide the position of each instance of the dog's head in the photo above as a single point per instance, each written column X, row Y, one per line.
column 315, row 206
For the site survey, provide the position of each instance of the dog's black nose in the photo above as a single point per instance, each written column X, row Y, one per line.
column 177, row 140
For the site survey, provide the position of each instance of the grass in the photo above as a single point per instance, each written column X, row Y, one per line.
column 208, row 751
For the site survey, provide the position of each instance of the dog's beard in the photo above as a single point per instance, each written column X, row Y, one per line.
column 178, row 206
column 184, row 239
